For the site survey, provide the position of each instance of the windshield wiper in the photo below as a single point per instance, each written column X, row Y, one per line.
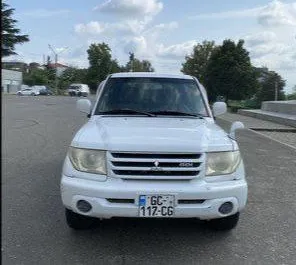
column 177, row 113
column 126, row 111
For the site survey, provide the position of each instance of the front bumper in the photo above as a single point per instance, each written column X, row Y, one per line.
column 99, row 193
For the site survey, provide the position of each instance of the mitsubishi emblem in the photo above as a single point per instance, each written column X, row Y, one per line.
column 156, row 166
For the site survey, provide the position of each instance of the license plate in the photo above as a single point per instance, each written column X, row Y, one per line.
column 156, row 205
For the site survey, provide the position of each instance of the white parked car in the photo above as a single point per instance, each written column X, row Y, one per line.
column 78, row 90
column 151, row 149
column 30, row 91
column 43, row 90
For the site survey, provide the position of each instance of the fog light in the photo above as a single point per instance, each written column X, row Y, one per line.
column 83, row 206
column 226, row 207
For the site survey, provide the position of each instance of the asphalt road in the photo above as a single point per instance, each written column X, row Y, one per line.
column 36, row 132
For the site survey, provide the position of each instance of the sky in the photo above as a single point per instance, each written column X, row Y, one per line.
column 162, row 31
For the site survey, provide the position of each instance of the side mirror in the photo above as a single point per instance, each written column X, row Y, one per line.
column 235, row 126
column 219, row 108
column 84, row 105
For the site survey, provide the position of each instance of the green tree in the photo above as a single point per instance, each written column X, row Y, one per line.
column 269, row 82
column 37, row 77
column 10, row 33
column 197, row 62
column 230, row 74
column 135, row 65
column 72, row 75
column 292, row 96
column 101, row 63
column 115, row 67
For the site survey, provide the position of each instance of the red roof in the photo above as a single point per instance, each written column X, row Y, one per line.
column 56, row 65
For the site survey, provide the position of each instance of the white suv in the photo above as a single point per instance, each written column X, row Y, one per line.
column 150, row 149
column 78, row 90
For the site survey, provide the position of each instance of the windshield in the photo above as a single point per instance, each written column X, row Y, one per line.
column 151, row 95
column 75, row 87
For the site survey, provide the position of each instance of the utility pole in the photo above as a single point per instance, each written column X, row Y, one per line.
column 56, row 65
column 276, row 91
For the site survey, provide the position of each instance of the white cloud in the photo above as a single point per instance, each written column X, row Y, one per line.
column 161, row 28
column 274, row 50
column 171, row 25
column 270, row 49
column 134, row 31
column 278, row 13
column 61, row 49
column 177, row 50
column 137, row 45
column 275, row 13
column 243, row 13
column 259, row 38
column 129, row 8
column 45, row 13
column 126, row 27
column 272, row 43
column 91, row 28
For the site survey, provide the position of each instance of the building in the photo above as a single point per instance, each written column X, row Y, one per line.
column 34, row 65
column 11, row 81
column 59, row 67
column 15, row 66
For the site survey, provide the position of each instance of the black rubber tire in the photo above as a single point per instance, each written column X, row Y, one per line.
column 77, row 221
column 225, row 223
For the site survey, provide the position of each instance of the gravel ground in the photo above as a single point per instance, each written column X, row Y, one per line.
column 284, row 137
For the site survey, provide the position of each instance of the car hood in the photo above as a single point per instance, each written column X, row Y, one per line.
column 152, row 134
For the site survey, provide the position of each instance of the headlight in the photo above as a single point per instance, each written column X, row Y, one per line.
column 222, row 163
column 88, row 160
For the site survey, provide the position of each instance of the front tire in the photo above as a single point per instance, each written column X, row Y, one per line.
column 77, row 221
column 224, row 223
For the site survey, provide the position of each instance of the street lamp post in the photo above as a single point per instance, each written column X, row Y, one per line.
column 56, row 65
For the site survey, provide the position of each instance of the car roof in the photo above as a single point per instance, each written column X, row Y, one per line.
column 150, row 74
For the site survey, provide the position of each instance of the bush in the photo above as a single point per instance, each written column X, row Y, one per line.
column 291, row 96
column 235, row 105
column 252, row 104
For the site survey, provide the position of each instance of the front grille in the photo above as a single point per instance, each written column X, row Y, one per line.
column 155, row 173
column 149, row 164
column 158, row 166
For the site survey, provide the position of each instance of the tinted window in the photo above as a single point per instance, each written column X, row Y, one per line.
column 151, row 95
column 74, row 87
